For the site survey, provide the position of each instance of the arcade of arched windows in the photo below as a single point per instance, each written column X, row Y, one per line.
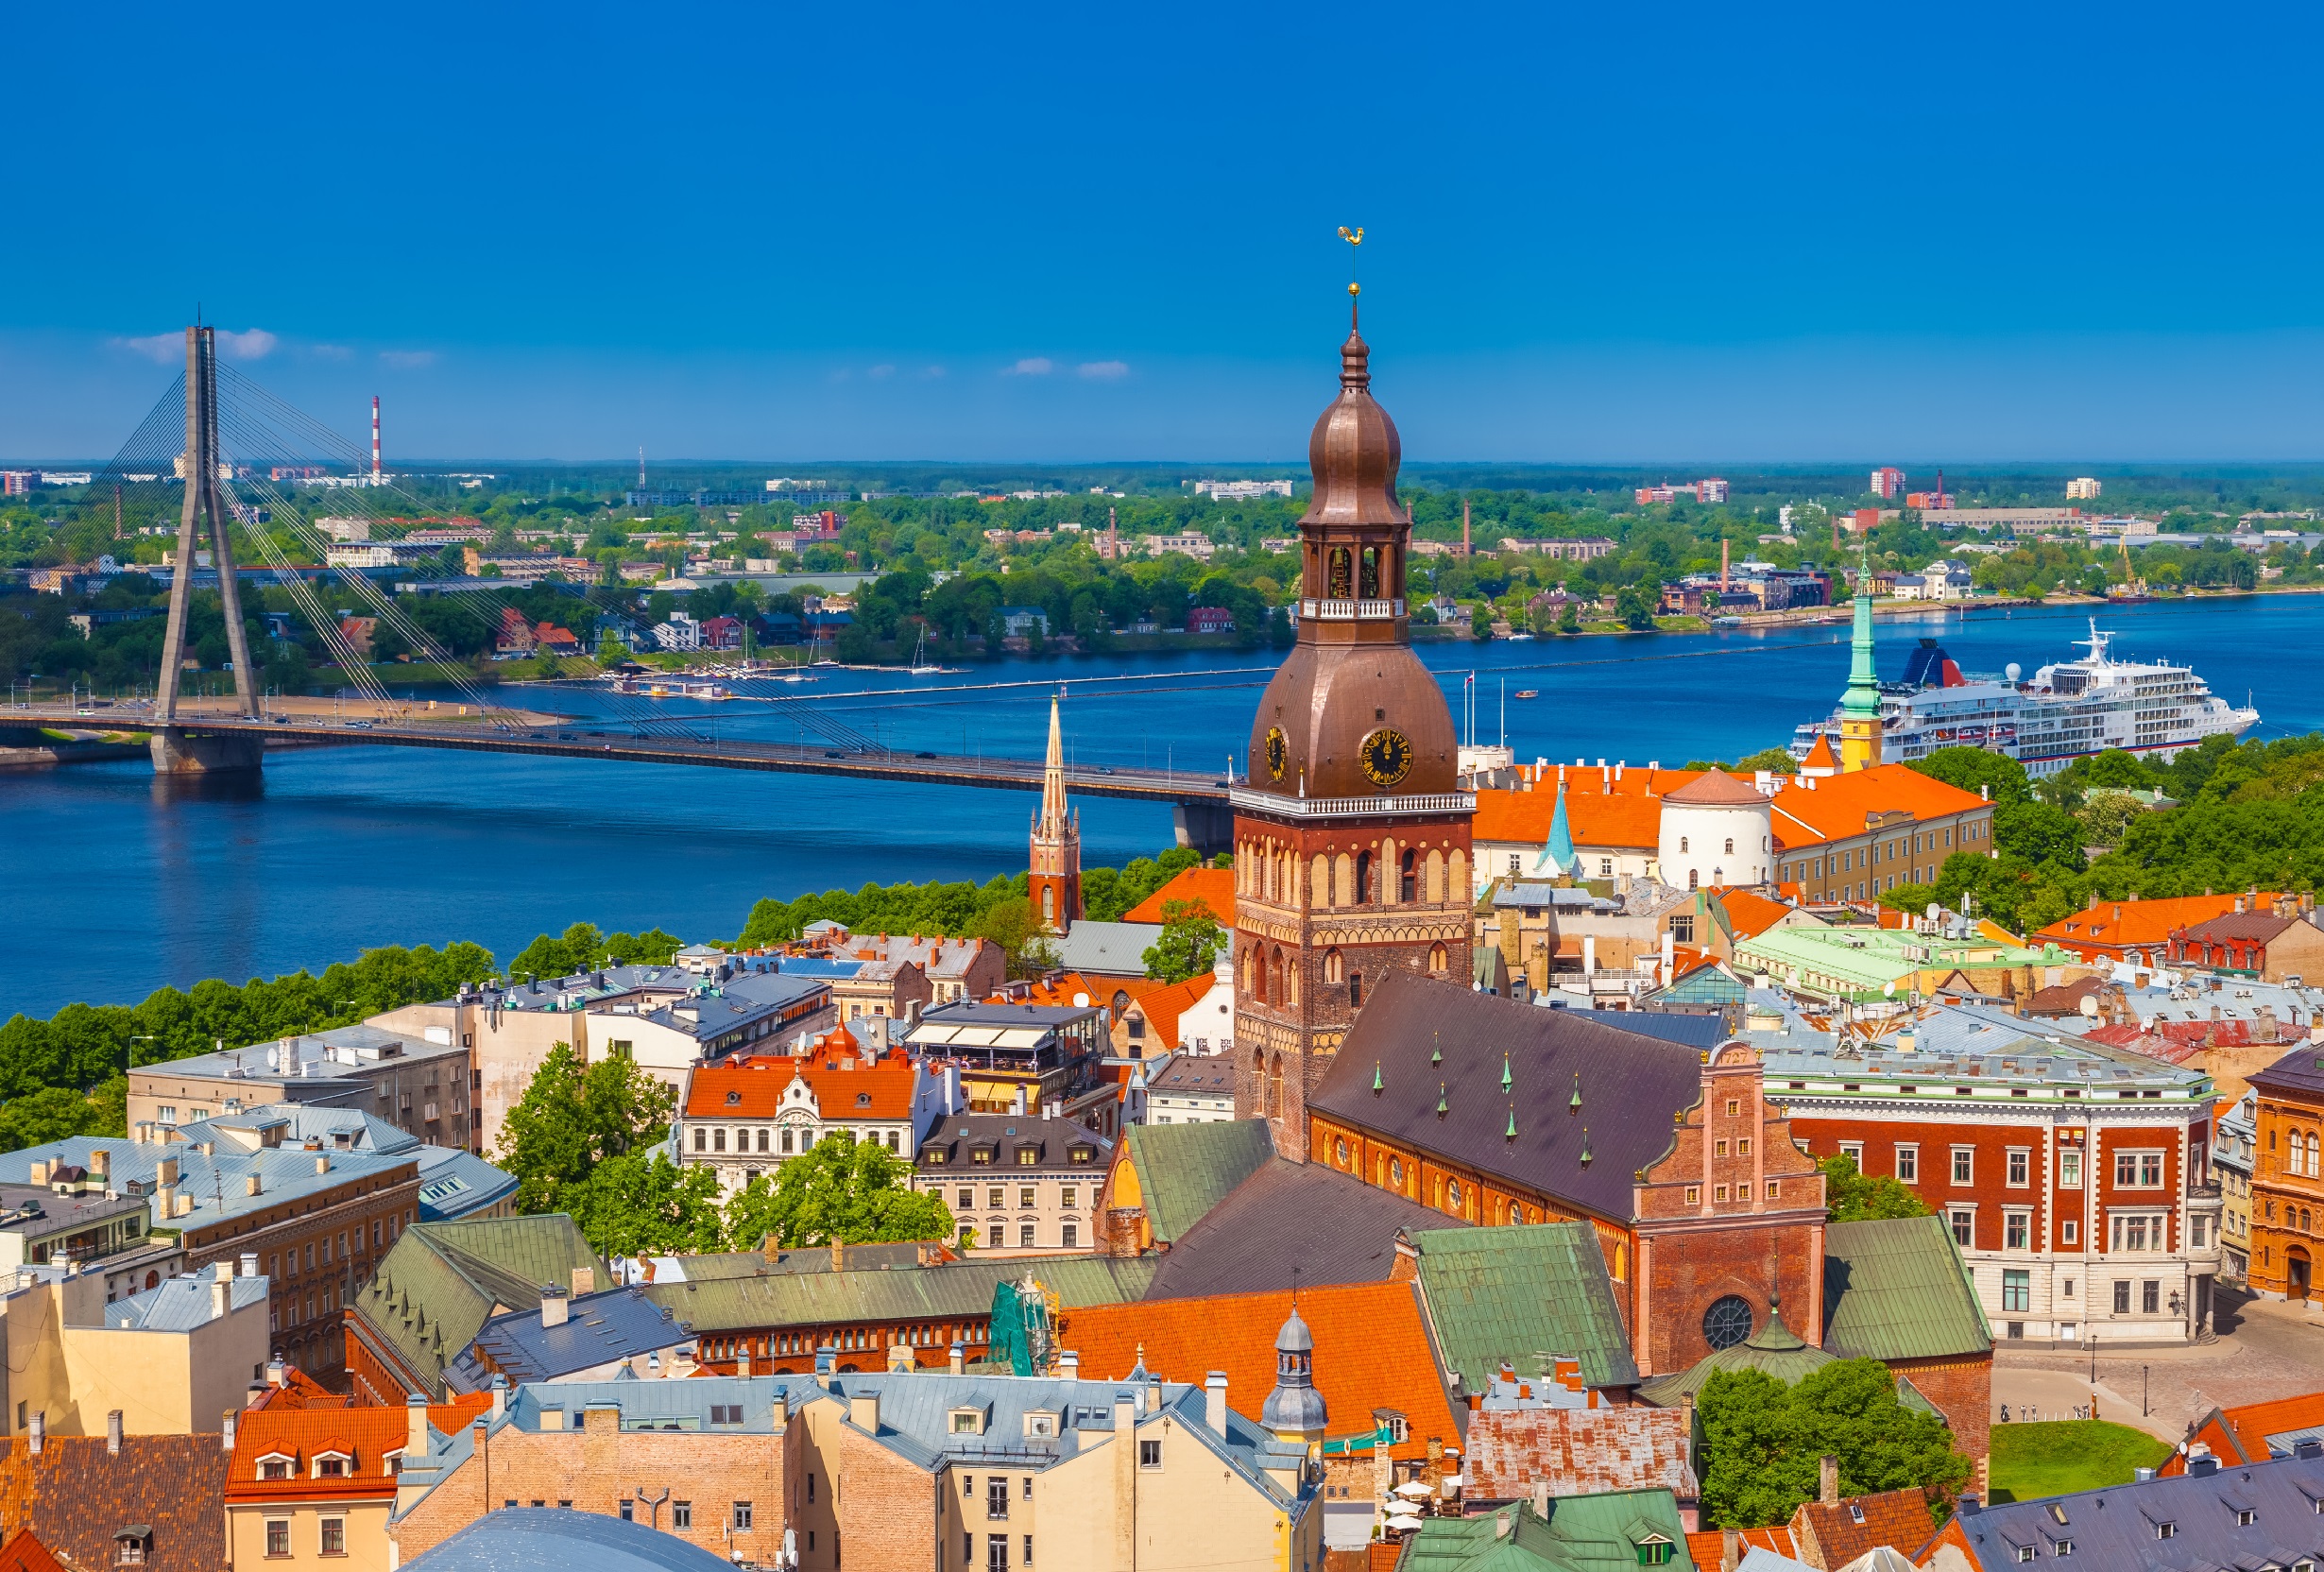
column 1352, row 570
column 1387, row 872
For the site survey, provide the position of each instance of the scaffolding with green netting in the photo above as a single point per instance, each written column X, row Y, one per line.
column 1024, row 1326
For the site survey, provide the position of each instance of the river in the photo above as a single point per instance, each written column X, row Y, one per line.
column 120, row 884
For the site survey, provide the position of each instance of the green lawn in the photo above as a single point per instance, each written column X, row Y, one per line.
column 2052, row 1459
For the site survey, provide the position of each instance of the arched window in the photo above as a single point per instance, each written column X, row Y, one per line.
column 1516, row 1213
column 1274, row 1087
column 1690, row 879
column 1681, row 846
column 1049, row 903
column 1363, row 878
column 1437, row 961
column 1731, row 846
column 1370, row 584
column 1407, row 879
column 1338, row 584
column 1339, row 1152
column 1396, row 1172
column 1334, row 970
column 1452, row 1195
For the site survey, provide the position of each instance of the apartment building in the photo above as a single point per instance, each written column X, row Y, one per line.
column 1015, row 1057
column 317, row 1202
column 2076, row 1177
column 171, row 1359
column 745, row 1116
column 312, row 1488
column 421, row 1083
column 1020, row 1181
column 2287, row 1176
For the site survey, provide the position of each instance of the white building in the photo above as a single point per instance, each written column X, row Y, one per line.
column 1191, row 1090
column 1241, row 490
column 746, row 1118
column 679, row 635
column 2084, row 488
column 1717, row 829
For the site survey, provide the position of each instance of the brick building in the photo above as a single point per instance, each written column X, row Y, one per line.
column 1496, row 1113
column 2075, row 1176
column 2138, row 932
column 1351, row 831
column 112, row 1500
column 312, row 1486
column 2287, row 1177
column 2275, row 942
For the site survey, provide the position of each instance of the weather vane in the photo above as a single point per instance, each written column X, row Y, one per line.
column 1354, row 237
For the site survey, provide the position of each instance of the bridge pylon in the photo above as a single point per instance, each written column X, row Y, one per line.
column 175, row 752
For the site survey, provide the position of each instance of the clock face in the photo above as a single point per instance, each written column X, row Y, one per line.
column 1278, row 752
column 1386, row 757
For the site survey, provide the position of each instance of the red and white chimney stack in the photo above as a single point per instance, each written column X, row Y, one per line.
column 375, row 477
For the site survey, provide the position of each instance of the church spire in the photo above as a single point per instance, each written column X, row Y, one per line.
column 1860, row 704
column 1054, row 869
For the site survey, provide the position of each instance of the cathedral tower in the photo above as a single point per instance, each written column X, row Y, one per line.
column 1351, row 831
column 1054, row 880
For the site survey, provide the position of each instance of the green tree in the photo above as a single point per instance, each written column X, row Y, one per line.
column 1480, row 620
column 1971, row 768
column 1188, row 943
column 840, row 1189
column 50, row 1114
column 1763, row 1442
column 1017, row 928
column 643, row 1203
column 573, row 1118
column 1854, row 1196
column 1635, row 606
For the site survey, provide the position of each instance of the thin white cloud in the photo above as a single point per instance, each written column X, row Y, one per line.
column 1104, row 371
column 932, row 372
column 251, row 344
column 880, row 372
column 332, row 351
column 1038, row 366
column 408, row 360
column 162, row 349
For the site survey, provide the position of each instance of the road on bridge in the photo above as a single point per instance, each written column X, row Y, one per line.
column 577, row 741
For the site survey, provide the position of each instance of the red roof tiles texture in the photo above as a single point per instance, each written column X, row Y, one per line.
column 2116, row 925
column 1212, row 887
column 364, row 1436
column 1579, row 1451
column 1855, row 1524
column 1370, row 1352
column 753, row 1088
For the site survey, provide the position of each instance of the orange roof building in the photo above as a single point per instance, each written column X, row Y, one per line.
column 304, row 1482
column 24, row 1552
column 1372, row 1351
column 1211, row 887
column 2139, row 931
column 2254, row 1432
column 745, row 1116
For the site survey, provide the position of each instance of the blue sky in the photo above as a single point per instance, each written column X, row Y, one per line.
column 1646, row 233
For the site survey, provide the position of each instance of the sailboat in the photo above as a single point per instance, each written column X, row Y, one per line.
column 920, row 666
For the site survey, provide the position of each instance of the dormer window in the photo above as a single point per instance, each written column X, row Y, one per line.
column 968, row 1422
column 981, row 1154
column 331, row 1465
column 1040, row 1426
column 1655, row 1550
column 274, row 1465
column 935, row 1157
column 1028, row 1156
column 1082, row 1154
column 863, row 1099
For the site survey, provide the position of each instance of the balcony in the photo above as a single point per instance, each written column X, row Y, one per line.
column 1352, row 611
column 1329, row 807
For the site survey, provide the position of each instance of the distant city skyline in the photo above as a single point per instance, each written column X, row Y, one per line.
column 1073, row 238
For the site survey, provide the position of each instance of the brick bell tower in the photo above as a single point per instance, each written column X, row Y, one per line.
column 1351, row 833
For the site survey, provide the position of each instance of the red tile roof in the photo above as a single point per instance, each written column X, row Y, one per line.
column 365, row 1436
column 1855, row 1524
column 1749, row 913
column 301, row 1391
column 754, row 1087
column 1716, row 789
column 1370, row 1352
column 2116, row 925
column 1821, row 757
column 2240, row 1435
column 1837, row 806
column 1211, row 887
column 1626, row 819
column 24, row 1552
column 1163, row 1006
column 1705, row 1547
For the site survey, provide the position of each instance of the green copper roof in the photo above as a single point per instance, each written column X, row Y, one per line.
column 1557, row 853
column 1897, row 1288
column 1581, row 1533
column 959, row 1289
column 1185, row 1170
column 437, row 1288
column 1496, row 1294
column 1774, row 1349
column 1863, row 695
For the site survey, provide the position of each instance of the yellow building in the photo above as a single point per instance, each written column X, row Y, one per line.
column 171, row 1361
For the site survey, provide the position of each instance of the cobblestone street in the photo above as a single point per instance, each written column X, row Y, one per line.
column 2264, row 1351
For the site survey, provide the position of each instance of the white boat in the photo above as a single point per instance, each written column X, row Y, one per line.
column 920, row 666
column 2068, row 710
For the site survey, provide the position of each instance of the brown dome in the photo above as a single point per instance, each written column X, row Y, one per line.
column 1328, row 698
column 1353, row 451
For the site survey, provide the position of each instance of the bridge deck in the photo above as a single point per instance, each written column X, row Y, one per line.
column 580, row 740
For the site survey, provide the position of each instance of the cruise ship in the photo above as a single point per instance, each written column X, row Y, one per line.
column 2069, row 710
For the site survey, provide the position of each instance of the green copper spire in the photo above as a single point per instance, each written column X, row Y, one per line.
column 1585, row 1146
column 1378, row 1085
column 1511, row 1131
column 1441, row 1109
column 1573, row 1103
column 1436, row 1052
column 1507, row 1080
column 1862, row 699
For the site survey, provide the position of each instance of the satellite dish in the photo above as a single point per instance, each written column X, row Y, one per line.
column 1888, row 990
column 2090, row 1005
column 1934, row 912
column 2011, row 671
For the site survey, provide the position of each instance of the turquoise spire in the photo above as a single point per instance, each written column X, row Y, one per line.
column 1557, row 853
column 1507, row 1081
column 1862, row 699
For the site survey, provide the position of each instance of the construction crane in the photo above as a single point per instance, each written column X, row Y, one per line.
column 2132, row 587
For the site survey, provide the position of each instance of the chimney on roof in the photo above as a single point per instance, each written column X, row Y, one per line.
column 827, row 1361
column 584, row 1280
column 500, row 1396
column 553, row 1309
column 278, row 1373
column 226, row 1430
column 1729, row 1549
column 165, row 1171
column 1069, row 1365
column 221, row 1295
column 40, row 1430
column 839, row 1254
column 1827, row 1481
column 415, row 1430
column 113, row 1433
column 322, row 1163
column 101, row 1164
column 958, row 1363
column 250, row 1185
column 255, row 1395
column 1214, row 1401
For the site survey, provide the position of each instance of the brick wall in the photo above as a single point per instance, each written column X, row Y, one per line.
column 596, row 1469
column 886, row 1510
column 1963, row 1389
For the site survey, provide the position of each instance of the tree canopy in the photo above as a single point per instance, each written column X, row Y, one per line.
column 1188, row 943
column 1854, row 1196
column 840, row 1189
column 1763, row 1442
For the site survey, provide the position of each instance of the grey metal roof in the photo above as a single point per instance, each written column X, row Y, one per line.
column 556, row 1539
column 718, row 1009
column 2122, row 1524
column 319, row 1055
column 1961, row 1042
column 338, row 1129
column 181, row 1304
column 1051, row 1141
column 454, row 1182
column 598, row 1329
column 1267, row 1228
column 1631, row 1087
column 1107, row 948
column 217, row 1183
